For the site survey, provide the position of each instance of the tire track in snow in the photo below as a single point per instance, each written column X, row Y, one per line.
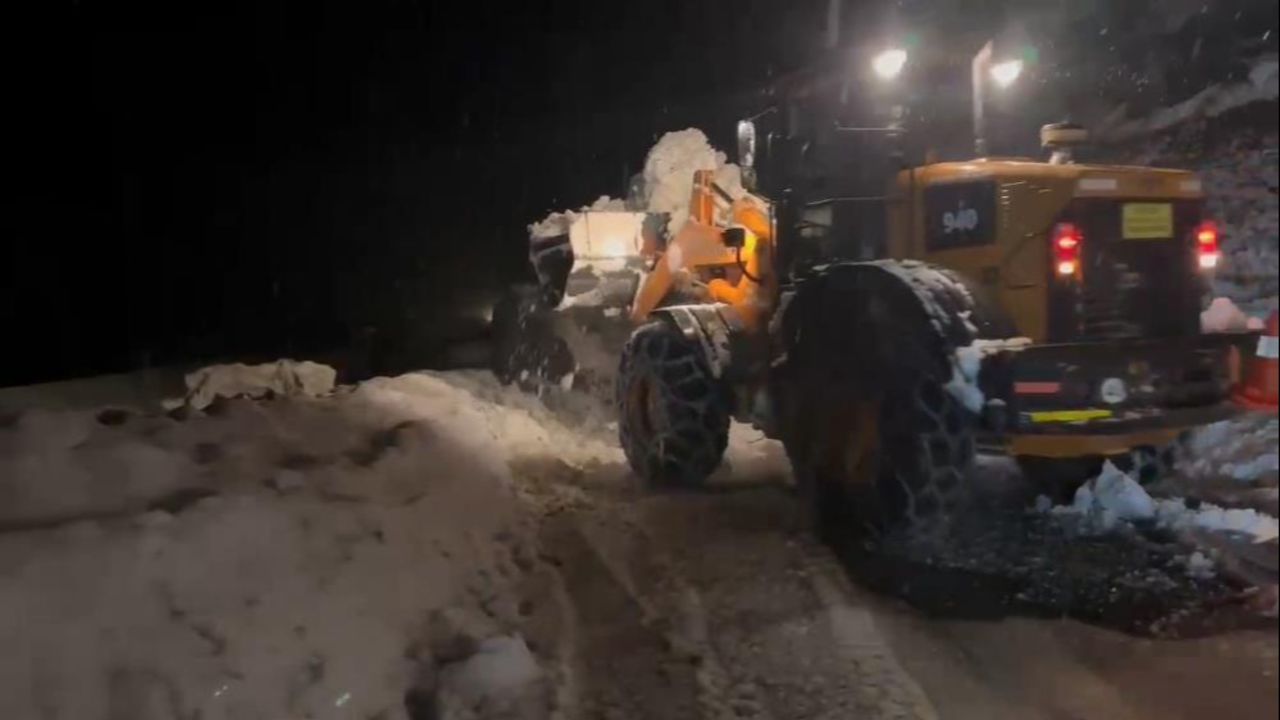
column 756, row 624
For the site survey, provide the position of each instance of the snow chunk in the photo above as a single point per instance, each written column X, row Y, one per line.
column 1243, row 449
column 966, row 366
column 1112, row 497
column 1107, row 500
column 604, row 203
column 1043, row 504
column 1258, row 527
column 966, row 391
column 1223, row 316
column 282, row 377
column 1200, row 566
column 502, row 673
column 1122, row 495
column 1250, row 470
column 553, row 225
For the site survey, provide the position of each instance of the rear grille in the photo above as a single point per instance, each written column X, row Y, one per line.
column 1104, row 303
column 1136, row 288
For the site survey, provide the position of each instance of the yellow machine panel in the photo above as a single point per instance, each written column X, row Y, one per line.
column 991, row 220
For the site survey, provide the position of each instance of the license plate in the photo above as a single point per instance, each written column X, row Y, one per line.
column 1147, row 221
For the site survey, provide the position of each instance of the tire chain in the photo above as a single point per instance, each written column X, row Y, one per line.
column 693, row 440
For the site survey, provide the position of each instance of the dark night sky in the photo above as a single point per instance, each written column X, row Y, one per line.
column 199, row 182
column 279, row 179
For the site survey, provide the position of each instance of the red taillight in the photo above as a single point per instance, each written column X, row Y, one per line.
column 1207, row 252
column 1067, row 240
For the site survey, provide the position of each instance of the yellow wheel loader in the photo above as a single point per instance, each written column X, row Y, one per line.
column 1046, row 309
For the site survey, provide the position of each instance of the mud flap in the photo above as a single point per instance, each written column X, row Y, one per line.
column 711, row 326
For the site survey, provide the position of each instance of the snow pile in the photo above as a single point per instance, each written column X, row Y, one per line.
column 557, row 224
column 60, row 465
column 1223, row 316
column 667, row 183
column 1262, row 84
column 501, row 677
column 278, row 559
column 553, row 225
column 498, row 420
column 280, row 378
column 966, row 366
column 1108, row 499
column 1113, row 499
column 1242, row 450
column 669, row 168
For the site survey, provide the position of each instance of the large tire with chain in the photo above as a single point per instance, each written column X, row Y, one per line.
column 876, row 440
column 673, row 414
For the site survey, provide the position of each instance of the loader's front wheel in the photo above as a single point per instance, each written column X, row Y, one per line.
column 673, row 416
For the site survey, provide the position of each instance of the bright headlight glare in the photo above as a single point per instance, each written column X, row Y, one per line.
column 1005, row 73
column 888, row 64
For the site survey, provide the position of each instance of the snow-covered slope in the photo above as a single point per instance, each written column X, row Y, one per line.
column 300, row 557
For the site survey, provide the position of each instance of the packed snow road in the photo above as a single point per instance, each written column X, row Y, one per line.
column 760, row 622
column 436, row 546
column 708, row 606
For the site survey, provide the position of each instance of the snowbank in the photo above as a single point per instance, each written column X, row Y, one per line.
column 276, row 559
column 282, row 377
column 57, row 466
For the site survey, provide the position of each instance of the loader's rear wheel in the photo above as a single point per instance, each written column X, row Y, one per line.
column 876, row 440
column 673, row 418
